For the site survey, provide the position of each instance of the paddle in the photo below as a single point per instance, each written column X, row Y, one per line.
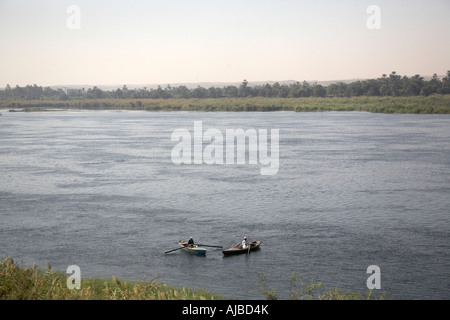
column 173, row 250
column 207, row 245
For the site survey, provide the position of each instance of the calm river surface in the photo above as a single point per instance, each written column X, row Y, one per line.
column 99, row 189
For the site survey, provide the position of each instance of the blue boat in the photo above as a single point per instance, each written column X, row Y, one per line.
column 194, row 249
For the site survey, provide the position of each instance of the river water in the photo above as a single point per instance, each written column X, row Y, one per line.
column 100, row 190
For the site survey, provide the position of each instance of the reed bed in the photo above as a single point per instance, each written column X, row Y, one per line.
column 434, row 104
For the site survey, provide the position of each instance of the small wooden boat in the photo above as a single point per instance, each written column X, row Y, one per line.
column 237, row 249
column 195, row 249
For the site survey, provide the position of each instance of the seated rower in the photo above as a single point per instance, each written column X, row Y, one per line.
column 190, row 242
column 244, row 243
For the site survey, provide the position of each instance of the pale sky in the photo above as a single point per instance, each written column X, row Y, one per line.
column 166, row 42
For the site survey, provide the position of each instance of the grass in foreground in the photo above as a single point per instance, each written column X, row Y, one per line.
column 32, row 283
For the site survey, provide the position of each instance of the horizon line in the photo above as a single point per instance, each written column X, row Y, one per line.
column 195, row 84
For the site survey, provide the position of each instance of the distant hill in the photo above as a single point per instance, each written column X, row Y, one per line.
column 193, row 85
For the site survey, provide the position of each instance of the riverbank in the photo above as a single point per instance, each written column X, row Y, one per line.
column 435, row 104
column 32, row 283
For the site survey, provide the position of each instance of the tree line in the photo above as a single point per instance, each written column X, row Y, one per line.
column 393, row 85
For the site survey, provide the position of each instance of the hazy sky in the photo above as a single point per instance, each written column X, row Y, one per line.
column 163, row 42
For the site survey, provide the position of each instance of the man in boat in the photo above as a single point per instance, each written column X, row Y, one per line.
column 244, row 243
column 190, row 242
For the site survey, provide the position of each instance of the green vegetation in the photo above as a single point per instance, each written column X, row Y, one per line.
column 388, row 94
column 393, row 85
column 32, row 283
column 438, row 104
column 24, row 283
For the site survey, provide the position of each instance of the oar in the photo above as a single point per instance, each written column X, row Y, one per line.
column 174, row 250
column 207, row 245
